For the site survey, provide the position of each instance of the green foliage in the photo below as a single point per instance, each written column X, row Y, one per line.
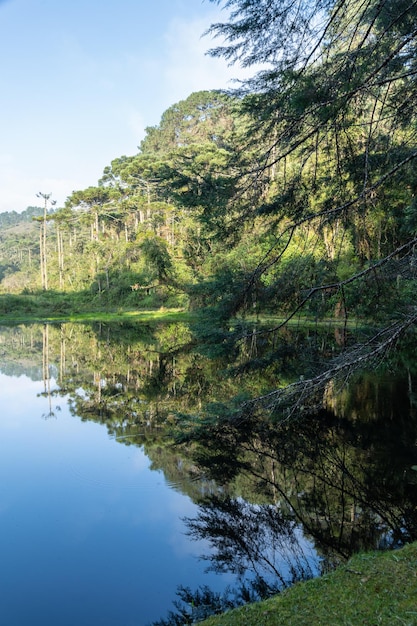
column 205, row 116
column 157, row 257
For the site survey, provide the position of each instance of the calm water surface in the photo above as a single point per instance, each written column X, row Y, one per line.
column 89, row 534
column 92, row 528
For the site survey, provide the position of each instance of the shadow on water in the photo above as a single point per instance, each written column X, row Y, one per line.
column 279, row 500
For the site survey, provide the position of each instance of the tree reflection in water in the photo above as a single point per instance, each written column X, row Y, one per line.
column 279, row 500
column 347, row 483
column 259, row 539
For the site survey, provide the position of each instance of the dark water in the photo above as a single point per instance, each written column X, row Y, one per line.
column 93, row 494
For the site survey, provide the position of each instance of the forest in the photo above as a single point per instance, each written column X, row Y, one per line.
column 291, row 197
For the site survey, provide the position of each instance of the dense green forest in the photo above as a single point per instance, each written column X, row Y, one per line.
column 293, row 196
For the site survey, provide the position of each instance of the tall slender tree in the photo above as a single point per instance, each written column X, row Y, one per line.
column 42, row 238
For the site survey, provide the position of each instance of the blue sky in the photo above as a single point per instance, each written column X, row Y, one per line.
column 81, row 79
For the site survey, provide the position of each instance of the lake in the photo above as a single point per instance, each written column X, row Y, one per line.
column 91, row 534
column 95, row 498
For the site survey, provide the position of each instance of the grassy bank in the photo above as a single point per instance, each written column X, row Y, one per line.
column 160, row 315
column 50, row 307
column 81, row 307
column 377, row 588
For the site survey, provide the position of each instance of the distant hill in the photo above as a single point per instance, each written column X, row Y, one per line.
column 19, row 247
column 12, row 218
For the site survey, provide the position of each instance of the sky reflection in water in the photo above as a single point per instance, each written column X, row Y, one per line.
column 90, row 536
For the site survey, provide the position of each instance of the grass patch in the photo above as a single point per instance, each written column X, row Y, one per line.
column 168, row 315
column 376, row 589
column 52, row 307
column 159, row 315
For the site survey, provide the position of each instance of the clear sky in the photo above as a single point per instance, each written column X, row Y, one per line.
column 81, row 79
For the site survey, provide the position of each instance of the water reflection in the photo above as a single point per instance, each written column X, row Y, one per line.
column 348, row 481
column 90, row 535
column 278, row 501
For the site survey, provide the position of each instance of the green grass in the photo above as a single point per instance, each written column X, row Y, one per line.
column 157, row 315
column 52, row 307
column 374, row 589
column 161, row 315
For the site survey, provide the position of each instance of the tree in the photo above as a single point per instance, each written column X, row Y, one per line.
column 92, row 201
column 203, row 116
column 333, row 130
column 42, row 238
